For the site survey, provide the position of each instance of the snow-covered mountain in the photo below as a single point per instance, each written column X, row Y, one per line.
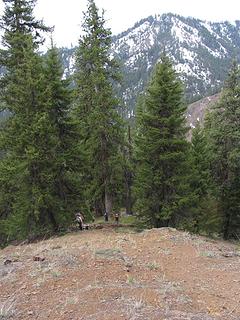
column 201, row 52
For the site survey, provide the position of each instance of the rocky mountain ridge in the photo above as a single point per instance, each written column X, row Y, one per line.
column 201, row 52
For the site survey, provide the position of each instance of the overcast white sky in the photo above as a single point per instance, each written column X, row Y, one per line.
column 66, row 15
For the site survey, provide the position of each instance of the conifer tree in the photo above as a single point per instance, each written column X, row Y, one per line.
column 25, row 141
column 22, row 69
column 36, row 163
column 223, row 131
column 101, row 127
column 204, row 216
column 199, row 162
column 67, row 163
column 160, row 150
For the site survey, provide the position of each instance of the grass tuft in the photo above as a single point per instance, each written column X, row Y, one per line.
column 108, row 253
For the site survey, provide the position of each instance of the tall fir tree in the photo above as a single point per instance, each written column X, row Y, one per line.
column 66, row 186
column 204, row 216
column 22, row 71
column 160, row 150
column 24, row 139
column 223, row 132
column 96, row 108
column 33, row 139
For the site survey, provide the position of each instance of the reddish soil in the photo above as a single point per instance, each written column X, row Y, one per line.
column 106, row 274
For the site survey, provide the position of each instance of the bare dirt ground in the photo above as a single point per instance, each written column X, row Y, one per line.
column 159, row 274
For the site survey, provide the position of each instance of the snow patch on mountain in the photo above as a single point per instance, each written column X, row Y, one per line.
column 184, row 68
column 208, row 26
column 188, row 55
column 185, row 33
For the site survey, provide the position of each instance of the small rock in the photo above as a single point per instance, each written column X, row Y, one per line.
column 38, row 259
column 8, row 261
column 229, row 254
column 128, row 265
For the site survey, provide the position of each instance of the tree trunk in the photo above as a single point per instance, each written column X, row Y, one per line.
column 129, row 194
column 108, row 203
column 129, row 176
column 226, row 226
column 53, row 220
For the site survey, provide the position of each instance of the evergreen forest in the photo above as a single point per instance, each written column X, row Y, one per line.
column 66, row 146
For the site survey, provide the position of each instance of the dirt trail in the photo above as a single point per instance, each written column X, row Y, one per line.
column 158, row 274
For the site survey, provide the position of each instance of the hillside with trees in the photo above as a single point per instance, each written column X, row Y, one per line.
column 67, row 147
column 112, row 212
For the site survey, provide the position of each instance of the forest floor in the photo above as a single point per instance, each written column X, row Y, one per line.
column 116, row 273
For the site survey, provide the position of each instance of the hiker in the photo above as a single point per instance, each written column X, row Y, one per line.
column 117, row 215
column 106, row 216
column 79, row 219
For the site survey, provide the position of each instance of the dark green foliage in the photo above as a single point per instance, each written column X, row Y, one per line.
column 224, row 147
column 27, row 142
column 67, row 162
column 200, row 161
column 128, row 172
column 64, row 150
column 37, row 192
column 96, row 109
column 161, row 150
column 21, row 93
column 203, row 217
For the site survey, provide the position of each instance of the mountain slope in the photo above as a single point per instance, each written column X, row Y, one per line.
column 201, row 52
column 196, row 111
